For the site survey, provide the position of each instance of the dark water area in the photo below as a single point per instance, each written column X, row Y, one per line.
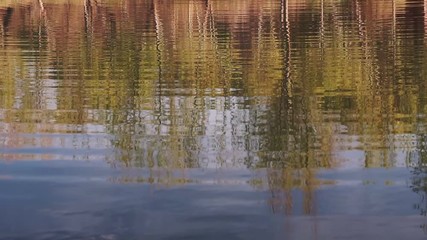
column 213, row 119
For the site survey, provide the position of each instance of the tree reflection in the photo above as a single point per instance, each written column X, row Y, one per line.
column 290, row 86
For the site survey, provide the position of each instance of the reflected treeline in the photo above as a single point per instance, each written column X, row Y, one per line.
column 180, row 84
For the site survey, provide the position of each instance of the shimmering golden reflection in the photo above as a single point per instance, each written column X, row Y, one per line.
column 179, row 84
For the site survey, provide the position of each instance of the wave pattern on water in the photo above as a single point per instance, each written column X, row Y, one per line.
column 213, row 84
column 240, row 119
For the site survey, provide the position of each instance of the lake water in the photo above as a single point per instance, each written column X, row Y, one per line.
column 213, row 119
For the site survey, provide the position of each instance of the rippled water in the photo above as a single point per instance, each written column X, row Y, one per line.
column 207, row 119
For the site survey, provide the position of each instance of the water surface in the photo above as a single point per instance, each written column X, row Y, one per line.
column 207, row 119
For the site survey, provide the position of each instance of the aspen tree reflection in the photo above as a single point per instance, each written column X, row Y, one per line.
column 290, row 86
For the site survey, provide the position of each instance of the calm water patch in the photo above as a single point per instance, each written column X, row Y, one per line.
column 59, row 200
